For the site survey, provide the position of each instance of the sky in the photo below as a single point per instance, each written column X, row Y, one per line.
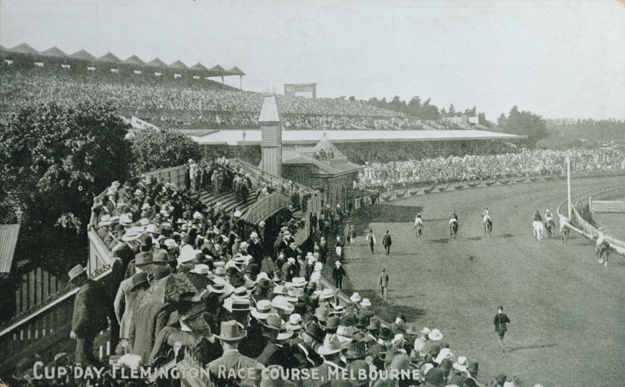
column 556, row 58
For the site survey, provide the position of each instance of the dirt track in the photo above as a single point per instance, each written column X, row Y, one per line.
column 567, row 311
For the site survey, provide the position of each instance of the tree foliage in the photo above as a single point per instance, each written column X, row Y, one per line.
column 53, row 160
column 162, row 149
column 524, row 123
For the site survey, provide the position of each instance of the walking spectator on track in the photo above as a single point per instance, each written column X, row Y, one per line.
column 352, row 235
column 323, row 250
column 340, row 243
column 383, row 284
column 338, row 273
column 387, row 242
column 501, row 327
column 370, row 238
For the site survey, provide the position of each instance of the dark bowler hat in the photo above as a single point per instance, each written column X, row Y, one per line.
column 315, row 331
column 139, row 279
column 143, row 259
column 195, row 309
column 356, row 350
column 385, row 334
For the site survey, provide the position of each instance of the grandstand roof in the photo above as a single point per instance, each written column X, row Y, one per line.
column 109, row 57
column 24, row 49
column 218, row 69
column 178, row 65
column 82, row 54
column 157, row 63
column 199, row 66
column 269, row 111
column 236, row 71
column 134, row 60
column 295, row 137
column 55, row 52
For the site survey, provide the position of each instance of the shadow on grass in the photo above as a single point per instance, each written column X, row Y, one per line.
column 531, row 346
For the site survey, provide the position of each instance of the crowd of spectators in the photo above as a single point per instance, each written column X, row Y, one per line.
column 192, row 105
column 526, row 163
column 191, row 280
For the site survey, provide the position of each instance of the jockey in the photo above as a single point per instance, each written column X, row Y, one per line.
column 418, row 220
column 486, row 215
column 564, row 222
column 537, row 217
column 453, row 218
column 600, row 237
column 548, row 216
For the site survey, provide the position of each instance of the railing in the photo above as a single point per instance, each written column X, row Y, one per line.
column 266, row 206
column 260, row 175
column 174, row 175
column 587, row 229
column 45, row 330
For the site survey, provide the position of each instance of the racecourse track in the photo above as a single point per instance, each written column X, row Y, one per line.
column 567, row 311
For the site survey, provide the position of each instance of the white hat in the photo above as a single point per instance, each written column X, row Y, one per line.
column 201, row 269
column 197, row 215
column 326, row 294
column 299, row 282
column 445, row 353
column 426, row 331
column 435, row 335
column 461, row 364
column 355, row 298
column 253, row 235
column 365, row 302
column 237, row 214
column 262, row 309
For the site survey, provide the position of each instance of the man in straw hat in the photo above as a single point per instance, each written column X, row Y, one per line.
column 331, row 350
column 89, row 316
column 275, row 352
column 226, row 367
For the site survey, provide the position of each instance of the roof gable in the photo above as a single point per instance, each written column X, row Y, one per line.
column 236, row 71
column 157, row 63
column 82, row 54
column 199, row 66
column 54, row 52
column 178, row 65
column 109, row 57
column 134, row 60
column 24, row 49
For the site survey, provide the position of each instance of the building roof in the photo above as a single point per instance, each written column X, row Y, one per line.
column 8, row 240
column 178, row 65
column 235, row 71
column 326, row 167
column 134, row 60
column 157, row 63
column 269, row 111
column 55, row 52
column 24, row 49
column 82, row 54
column 199, row 66
column 301, row 137
column 109, row 57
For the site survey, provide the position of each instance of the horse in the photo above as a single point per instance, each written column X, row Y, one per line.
column 488, row 227
column 453, row 230
column 604, row 247
column 565, row 234
column 538, row 229
column 419, row 230
column 550, row 226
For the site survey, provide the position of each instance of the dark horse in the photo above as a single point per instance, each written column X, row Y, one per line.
column 488, row 227
column 453, row 230
column 604, row 247
column 550, row 226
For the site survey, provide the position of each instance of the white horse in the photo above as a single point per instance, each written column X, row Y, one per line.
column 538, row 229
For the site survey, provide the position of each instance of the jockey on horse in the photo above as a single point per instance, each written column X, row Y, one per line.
column 564, row 228
column 488, row 223
column 538, row 225
column 418, row 225
column 550, row 225
column 602, row 247
column 453, row 224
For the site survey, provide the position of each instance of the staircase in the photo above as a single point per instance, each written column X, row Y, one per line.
column 228, row 201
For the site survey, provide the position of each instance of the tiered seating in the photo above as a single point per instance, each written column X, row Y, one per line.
column 228, row 201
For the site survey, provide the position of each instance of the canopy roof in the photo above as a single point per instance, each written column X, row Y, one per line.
column 135, row 60
column 157, row 63
column 236, row 71
column 109, row 57
column 24, row 49
column 199, row 66
column 178, row 65
column 54, row 52
column 82, row 54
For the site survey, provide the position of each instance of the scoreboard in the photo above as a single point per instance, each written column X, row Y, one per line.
column 301, row 89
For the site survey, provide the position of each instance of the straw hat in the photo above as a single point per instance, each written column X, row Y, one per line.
column 435, row 335
column 331, row 345
column 355, row 298
column 231, row 331
column 75, row 272
column 365, row 302
column 262, row 309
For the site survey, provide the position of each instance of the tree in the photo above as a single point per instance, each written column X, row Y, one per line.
column 452, row 111
column 53, row 160
column 524, row 123
column 162, row 149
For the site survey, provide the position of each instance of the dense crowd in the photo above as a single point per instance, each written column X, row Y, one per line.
column 458, row 169
column 190, row 281
column 194, row 106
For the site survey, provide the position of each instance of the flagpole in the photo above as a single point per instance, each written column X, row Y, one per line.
column 568, row 183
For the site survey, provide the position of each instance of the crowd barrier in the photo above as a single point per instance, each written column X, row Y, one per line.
column 584, row 227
